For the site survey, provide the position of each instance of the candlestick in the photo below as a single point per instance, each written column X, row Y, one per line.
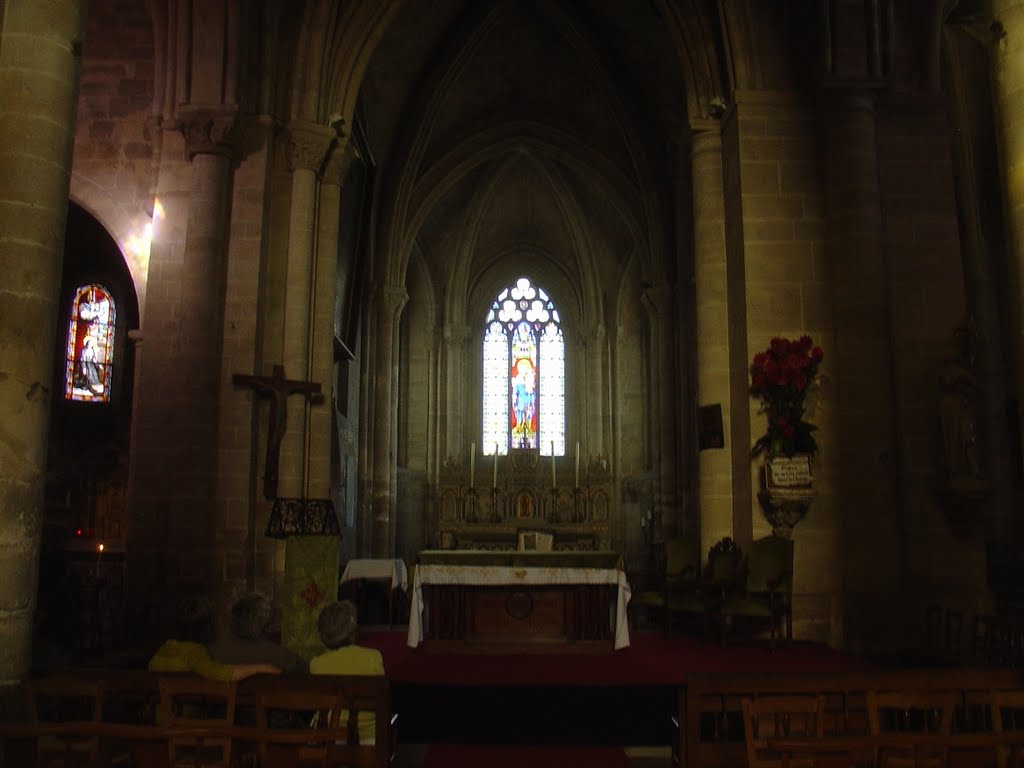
column 577, row 463
column 495, row 483
column 553, row 464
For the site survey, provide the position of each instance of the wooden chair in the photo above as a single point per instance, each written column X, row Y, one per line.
column 1008, row 715
column 132, row 699
column 681, row 562
column 763, row 591
column 297, row 727
column 199, row 715
column 921, row 713
column 782, row 716
column 70, row 709
column 718, row 579
column 346, row 707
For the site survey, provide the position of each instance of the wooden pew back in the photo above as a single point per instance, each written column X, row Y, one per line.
column 709, row 707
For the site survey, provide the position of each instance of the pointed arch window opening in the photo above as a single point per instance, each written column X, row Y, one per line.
column 89, row 357
column 523, row 373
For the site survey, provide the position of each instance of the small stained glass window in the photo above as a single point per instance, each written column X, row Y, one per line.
column 90, row 345
column 523, row 373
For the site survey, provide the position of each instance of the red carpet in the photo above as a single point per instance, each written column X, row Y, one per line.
column 651, row 659
column 472, row 756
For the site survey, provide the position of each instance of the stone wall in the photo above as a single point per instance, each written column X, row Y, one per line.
column 116, row 141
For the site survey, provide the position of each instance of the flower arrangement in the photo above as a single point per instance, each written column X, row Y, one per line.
column 780, row 378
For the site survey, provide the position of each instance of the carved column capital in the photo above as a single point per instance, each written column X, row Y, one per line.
column 658, row 298
column 851, row 98
column 705, row 138
column 308, row 145
column 594, row 335
column 391, row 300
column 209, row 131
column 339, row 159
column 455, row 335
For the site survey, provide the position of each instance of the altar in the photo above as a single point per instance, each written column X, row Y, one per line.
column 520, row 602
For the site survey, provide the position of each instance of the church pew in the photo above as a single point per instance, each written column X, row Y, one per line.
column 137, row 726
column 709, row 719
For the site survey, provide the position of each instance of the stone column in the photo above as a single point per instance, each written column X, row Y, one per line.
column 598, row 384
column 309, row 144
column 860, row 286
column 660, row 303
column 1008, row 63
column 196, row 364
column 453, row 386
column 322, row 352
column 390, row 302
column 39, row 69
column 716, row 472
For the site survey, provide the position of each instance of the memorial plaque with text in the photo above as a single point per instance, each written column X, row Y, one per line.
column 789, row 472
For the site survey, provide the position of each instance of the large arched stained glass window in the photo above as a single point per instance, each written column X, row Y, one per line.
column 523, row 373
column 90, row 348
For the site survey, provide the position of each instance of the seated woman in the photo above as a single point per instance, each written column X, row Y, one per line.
column 246, row 641
column 337, row 627
column 187, row 651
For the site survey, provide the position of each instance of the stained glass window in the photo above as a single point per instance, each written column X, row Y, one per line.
column 90, row 346
column 523, row 373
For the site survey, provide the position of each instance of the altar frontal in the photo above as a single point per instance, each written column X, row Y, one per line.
column 523, row 602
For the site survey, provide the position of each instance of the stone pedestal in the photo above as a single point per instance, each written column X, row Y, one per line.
column 787, row 490
column 785, row 507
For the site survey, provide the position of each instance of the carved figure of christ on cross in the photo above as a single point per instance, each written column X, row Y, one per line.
column 277, row 388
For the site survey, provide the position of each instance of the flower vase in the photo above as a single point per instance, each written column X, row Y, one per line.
column 787, row 490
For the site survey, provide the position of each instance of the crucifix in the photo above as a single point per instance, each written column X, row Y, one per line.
column 277, row 388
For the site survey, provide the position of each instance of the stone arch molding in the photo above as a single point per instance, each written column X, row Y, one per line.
column 127, row 228
column 336, row 43
column 582, row 302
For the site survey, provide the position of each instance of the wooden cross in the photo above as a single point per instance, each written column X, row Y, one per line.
column 277, row 388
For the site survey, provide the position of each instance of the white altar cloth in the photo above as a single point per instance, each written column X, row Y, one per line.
column 511, row 575
column 379, row 570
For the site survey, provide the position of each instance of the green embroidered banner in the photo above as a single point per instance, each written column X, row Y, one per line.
column 311, row 570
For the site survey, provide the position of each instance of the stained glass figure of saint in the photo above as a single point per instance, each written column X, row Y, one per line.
column 90, row 347
column 523, row 373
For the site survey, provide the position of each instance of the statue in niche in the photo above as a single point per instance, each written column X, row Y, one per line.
column 524, row 505
column 958, row 388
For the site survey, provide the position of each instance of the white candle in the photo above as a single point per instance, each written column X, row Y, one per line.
column 472, row 463
column 577, row 463
column 495, row 484
column 553, row 464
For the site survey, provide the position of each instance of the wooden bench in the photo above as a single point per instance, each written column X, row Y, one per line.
column 709, row 707
column 132, row 722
